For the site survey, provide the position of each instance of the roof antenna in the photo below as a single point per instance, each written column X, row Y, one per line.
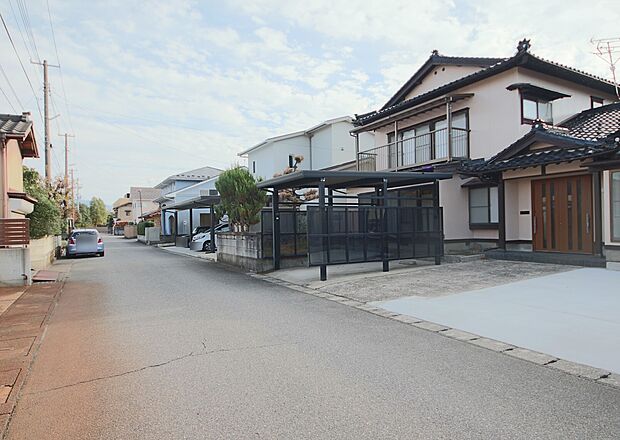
column 608, row 49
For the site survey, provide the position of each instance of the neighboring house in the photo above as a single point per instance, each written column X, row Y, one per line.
column 143, row 200
column 123, row 210
column 177, row 223
column 325, row 145
column 459, row 114
column 17, row 142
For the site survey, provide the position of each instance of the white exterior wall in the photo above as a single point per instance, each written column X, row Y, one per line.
column 323, row 147
column 331, row 145
column 273, row 157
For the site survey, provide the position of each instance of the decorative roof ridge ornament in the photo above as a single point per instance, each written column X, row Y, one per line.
column 524, row 45
column 435, row 52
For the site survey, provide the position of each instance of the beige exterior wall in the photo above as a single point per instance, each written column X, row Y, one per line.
column 121, row 214
column 16, row 172
column 439, row 76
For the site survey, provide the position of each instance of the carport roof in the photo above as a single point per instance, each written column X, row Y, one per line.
column 350, row 179
column 205, row 201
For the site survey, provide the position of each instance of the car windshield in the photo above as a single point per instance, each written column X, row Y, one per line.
column 78, row 233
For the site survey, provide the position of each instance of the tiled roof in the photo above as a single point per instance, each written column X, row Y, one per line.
column 433, row 61
column 522, row 59
column 590, row 133
column 15, row 125
column 594, row 124
column 197, row 174
column 146, row 193
column 542, row 157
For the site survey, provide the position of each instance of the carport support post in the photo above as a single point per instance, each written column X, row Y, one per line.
column 275, row 228
column 437, row 225
column 212, row 231
column 323, row 267
column 191, row 226
column 598, row 214
column 176, row 226
column 386, row 261
column 501, row 213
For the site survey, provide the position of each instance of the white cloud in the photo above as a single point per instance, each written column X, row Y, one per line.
column 171, row 86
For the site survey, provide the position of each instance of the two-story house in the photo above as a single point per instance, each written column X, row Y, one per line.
column 172, row 188
column 123, row 210
column 324, row 145
column 461, row 114
column 143, row 200
column 17, row 142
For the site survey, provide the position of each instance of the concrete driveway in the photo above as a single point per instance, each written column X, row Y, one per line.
column 573, row 315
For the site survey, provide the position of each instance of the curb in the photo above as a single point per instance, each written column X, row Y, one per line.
column 542, row 359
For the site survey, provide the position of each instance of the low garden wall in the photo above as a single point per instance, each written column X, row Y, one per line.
column 244, row 250
column 43, row 251
column 130, row 231
column 151, row 235
column 15, row 266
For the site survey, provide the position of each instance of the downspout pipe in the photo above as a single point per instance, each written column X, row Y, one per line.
column 4, row 182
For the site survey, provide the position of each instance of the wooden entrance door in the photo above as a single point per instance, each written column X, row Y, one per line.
column 562, row 214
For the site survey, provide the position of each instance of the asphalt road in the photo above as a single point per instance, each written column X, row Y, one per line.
column 145, row 344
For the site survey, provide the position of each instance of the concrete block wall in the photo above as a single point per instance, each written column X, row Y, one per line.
column 15, row 266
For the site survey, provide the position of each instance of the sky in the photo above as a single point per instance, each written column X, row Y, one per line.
column 151, row 88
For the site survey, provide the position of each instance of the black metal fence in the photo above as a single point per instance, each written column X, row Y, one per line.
column 293, row 233
column 364, row 233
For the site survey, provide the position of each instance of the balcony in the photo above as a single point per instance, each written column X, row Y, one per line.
column 426, row 148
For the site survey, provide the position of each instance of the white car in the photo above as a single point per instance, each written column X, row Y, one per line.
column 202, row 241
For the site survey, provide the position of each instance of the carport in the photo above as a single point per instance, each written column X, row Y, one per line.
column 201, row 202
column 362, row 216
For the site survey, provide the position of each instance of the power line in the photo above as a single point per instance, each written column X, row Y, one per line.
column 8, row 100
column 23, row 9
column 21, row 64
column 20, row 30
column 11, row 87
column 62, row 80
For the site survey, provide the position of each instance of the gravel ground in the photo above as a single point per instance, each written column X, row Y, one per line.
column 446, row 279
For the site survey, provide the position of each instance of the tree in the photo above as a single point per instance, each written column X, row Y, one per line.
column 240, row 198
column 84, row 219
column 46, row 218
column 98, row 212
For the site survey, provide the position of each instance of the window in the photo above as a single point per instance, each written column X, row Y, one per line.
column 615, row 205
column 533, row 108
column 429, row 141
column 291, row 161
column 483, row 207
column 254, row 166
column 596, row 102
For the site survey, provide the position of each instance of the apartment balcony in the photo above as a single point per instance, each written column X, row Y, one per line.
column 423, row 149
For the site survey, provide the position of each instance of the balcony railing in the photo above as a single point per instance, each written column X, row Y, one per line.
column 417, row 150
column 14, row 232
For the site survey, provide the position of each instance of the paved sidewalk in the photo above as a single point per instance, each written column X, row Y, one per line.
column 572, row 315
column 189, row 253
column 24, row 313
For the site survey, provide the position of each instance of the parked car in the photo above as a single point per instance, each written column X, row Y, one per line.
column 85, row 242
column 202, row 241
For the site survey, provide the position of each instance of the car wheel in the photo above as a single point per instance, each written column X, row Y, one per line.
column 101, row 254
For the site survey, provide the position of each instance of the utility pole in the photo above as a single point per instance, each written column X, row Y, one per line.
column 46, row 120
column 66, row 182
column 72, row 196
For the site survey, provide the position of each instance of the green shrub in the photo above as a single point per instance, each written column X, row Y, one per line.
column 143, row 225
column 46, row 218
column 240, row 198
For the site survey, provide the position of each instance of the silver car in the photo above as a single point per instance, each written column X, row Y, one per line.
column 202, row 241
column 85, row 242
